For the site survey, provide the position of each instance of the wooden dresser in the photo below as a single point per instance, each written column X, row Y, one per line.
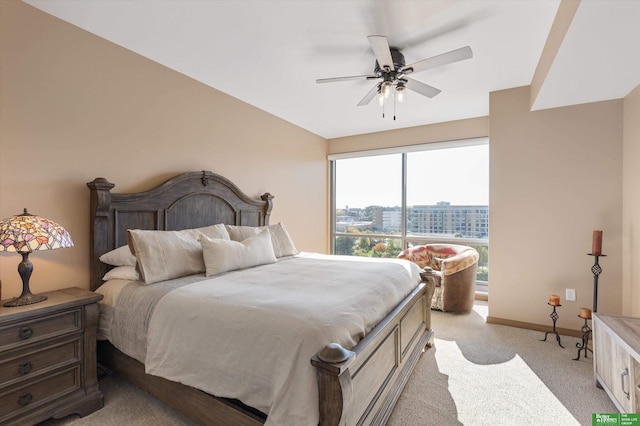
column 48, row 358
column 616, row 343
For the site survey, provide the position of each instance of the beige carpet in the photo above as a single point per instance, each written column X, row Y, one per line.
column 485, row 374
column 476, row 374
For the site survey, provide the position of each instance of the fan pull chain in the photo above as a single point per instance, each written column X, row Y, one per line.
column 394, row 105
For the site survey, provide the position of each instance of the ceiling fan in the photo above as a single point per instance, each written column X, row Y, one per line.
column 391, row 69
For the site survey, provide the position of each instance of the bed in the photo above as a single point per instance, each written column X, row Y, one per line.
column 355, row 384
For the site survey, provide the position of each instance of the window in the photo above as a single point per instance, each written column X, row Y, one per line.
column 384, row 201
column 368, row 216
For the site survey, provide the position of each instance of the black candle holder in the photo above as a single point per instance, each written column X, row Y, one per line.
column 596, row 270
column 554, row 317
column 586, row 332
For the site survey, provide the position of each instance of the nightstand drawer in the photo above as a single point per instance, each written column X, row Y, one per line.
column 30, row 395
column 31, row 361
column 39, row 329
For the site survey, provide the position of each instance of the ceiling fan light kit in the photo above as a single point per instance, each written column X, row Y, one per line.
column 391, row 68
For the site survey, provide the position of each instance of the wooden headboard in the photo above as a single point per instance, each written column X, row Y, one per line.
column 188, row 200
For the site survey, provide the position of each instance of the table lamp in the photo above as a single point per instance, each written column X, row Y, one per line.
column 25, row 233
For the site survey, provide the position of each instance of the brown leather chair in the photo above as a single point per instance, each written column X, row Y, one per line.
column 453, row 268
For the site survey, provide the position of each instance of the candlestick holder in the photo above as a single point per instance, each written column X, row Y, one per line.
column 554, row 317
column 586, row 332
column 596, row 270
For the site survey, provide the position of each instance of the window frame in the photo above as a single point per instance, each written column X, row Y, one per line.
column 404, row 239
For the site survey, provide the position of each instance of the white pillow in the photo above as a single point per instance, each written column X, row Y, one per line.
column 119, row 257
column 164, row 255
column 282, row 242
column 122, row 273
column 226, row 255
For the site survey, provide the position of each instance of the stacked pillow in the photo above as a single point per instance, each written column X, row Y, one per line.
column 124, row 262
column 164, row 255
column 154, row 256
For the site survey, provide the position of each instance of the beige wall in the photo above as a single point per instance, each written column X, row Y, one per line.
column 74, row 107
column 631, row 206
column 452, row 130
column 555, row 176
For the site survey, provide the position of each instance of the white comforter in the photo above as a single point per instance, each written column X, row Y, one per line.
column 251, row 334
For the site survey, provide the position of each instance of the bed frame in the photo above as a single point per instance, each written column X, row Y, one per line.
column 358, row 387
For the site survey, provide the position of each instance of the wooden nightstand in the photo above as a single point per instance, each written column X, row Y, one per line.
column 48, row 358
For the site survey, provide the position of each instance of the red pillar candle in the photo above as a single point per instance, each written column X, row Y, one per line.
column 596, row 245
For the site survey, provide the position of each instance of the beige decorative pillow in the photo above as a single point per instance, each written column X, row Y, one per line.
column 282, row 242
column 119, row 257
column 164, row 255
column 226, row 255
column 122, row 273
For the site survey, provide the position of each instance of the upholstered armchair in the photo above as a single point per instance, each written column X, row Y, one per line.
column 453, row 268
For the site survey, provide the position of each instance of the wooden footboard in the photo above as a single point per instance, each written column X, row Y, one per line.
column 363, row 389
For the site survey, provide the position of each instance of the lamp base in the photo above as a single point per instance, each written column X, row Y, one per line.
column 26, row 299
column 25, row 268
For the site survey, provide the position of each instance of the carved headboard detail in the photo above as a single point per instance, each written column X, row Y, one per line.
column 188, row 200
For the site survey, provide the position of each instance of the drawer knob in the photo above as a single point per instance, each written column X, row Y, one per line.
column 26, row 332
column 25, row 398
column 25, row 367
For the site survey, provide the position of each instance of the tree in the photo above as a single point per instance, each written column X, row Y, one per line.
column 367, row 212
column 344, row 245
column 362, row 247
column 364, row 243
column 379, row 250
column 393, row 248
column 483, row 261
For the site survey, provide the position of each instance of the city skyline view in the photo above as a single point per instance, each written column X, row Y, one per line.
column 440, row 219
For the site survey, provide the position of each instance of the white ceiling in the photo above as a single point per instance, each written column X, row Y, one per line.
column 269, row 53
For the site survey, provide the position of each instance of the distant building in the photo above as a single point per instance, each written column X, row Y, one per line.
column 445, row 219
column 387, row 219
column 344, row 225
column 441, row 219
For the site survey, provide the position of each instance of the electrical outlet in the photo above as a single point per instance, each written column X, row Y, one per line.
column 571, row 295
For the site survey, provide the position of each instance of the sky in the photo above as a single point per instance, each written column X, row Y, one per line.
column 457, row 175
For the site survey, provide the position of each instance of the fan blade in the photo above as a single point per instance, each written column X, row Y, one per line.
column 370, row 95
column 353, row 77
column 420, row 87
column 381, row 49
column 439, row 60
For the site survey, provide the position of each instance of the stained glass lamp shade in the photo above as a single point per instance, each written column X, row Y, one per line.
column 25, row 233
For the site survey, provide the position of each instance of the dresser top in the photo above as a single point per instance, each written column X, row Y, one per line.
column 626, row 328
column 56, row 300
